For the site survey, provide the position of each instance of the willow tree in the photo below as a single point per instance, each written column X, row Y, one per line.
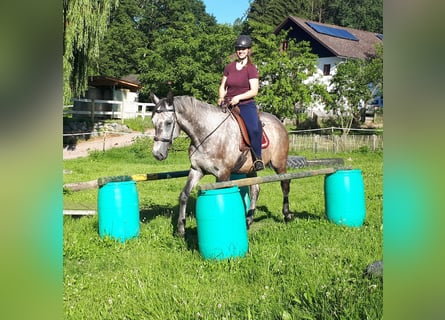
column 85, row 23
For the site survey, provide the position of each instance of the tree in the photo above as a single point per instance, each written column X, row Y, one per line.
column 171, row 44
column 85, row 23
column 359, row 14
column 283, row 73
column 188, row 59
column 352, row 85
column 364, row 15
column 120, row 50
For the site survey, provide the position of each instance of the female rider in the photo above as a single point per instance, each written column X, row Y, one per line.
column 239, row 86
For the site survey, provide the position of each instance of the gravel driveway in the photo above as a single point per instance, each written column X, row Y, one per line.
column 82, row 148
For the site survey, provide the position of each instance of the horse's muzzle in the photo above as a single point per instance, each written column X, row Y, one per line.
column 159, row 156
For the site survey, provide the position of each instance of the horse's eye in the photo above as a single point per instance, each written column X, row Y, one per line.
column 168, row 123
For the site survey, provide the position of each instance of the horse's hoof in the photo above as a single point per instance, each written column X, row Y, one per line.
column 180, row 233
column 249, row 221
column 288, row 217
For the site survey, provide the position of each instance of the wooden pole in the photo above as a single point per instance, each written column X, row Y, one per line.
column 78, row 186
column 265, row 179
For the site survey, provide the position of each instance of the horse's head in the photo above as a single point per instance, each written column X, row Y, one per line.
column 166, row 126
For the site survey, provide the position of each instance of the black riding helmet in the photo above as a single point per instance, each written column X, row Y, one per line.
column 243, row 42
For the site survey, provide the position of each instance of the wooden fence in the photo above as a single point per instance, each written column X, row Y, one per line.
column 115, row 109
column 316, row 141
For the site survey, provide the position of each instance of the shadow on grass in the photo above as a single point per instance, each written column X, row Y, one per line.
column 304, row 215
column 191, row 234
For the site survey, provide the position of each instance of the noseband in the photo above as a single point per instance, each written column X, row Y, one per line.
column 169, row 140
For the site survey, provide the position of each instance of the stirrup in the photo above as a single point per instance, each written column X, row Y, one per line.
column 258, row 165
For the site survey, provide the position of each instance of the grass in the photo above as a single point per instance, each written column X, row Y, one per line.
column 306, row 269
column 139, row 124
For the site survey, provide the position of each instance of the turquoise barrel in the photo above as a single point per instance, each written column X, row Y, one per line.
column 221, row 224
column 118, row 210
column 244, row 191
column 345, row 198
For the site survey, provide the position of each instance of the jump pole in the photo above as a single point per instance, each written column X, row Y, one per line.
column 77, row 186
column 265, row 179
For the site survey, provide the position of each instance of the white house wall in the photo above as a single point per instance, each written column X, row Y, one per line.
column 317, row 107
column 128, row 98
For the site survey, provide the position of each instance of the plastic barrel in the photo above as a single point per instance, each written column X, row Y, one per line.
column 118, row 210
column 221, row 224
column 345, row 198
column 244, row 191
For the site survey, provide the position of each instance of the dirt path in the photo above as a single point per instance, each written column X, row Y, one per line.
column 82, row 148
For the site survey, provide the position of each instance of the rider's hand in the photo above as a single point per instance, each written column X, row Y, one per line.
column 234, row 101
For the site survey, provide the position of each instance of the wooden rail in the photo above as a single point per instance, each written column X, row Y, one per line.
column 119, row 109
column 265, row 179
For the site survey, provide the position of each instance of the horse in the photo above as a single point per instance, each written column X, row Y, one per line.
column 215, row 146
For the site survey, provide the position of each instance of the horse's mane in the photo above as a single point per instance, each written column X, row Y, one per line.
column 187, row 103
column 189, row 100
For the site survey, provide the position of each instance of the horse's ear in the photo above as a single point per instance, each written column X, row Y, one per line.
column 154, row 98
column 170, row 98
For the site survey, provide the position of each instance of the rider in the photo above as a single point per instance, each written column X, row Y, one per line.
column 239, row 86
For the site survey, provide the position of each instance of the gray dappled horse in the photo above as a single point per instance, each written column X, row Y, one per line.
column 215, row 146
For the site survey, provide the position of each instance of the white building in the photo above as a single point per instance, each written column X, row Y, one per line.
column 332, row 44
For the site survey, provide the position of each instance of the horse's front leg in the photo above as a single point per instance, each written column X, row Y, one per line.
column 254, row 193
column 193, row 178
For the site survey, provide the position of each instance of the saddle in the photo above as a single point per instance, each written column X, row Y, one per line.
column 245, row 140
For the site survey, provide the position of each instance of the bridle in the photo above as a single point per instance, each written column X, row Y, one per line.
column 162, row 110
column 170, row 140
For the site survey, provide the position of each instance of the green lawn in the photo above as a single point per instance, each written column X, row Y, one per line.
column 309, row 268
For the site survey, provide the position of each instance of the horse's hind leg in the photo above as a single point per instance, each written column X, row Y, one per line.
column 193, row 178
column 285, row 188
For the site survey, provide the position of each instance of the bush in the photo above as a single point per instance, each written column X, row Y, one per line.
column 139, row 124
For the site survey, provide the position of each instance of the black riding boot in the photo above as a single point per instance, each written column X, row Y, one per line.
column 257, row 163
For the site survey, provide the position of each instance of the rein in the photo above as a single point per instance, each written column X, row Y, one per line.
column 212, row 132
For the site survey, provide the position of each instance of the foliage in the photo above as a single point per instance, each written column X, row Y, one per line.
column 187, row 59
column 85, row 23
column 175, row 45
column 120, row 50
column 283, row 73
column 306, row 269
column 139, row 124
column 374, row 69
column 351, row 86
column 358, row 14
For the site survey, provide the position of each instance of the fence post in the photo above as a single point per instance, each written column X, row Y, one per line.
column 374, row 142
column 122, row 111
column 334, row 143
column 103, row 143
column 315, row 143
column 93, row 110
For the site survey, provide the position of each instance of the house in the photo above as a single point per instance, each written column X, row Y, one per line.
column 332, row 44
column 111, row 98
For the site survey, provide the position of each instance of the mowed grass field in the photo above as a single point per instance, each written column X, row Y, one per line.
column 308, row 268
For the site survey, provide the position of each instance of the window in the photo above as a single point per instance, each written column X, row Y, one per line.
column 326, row 69
column 284, row 45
